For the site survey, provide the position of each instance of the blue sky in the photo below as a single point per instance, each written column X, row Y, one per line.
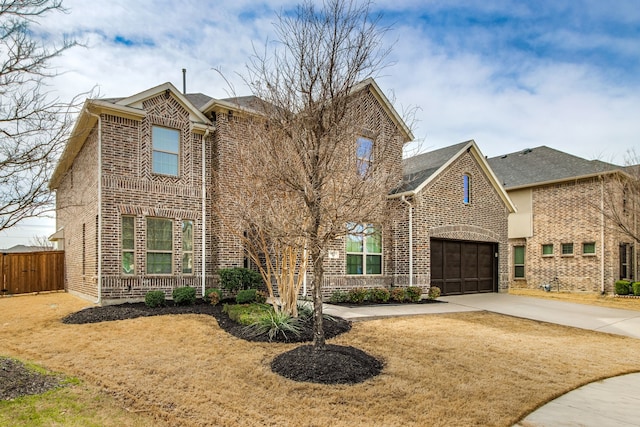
column 509, row 74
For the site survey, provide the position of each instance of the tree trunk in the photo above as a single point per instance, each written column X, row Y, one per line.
column 318, row 274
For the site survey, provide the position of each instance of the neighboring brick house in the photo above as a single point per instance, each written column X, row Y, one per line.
column 143, row 182
column 559, row 235
column 453, row 227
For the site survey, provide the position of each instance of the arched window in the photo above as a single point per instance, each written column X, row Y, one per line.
column 466, row 188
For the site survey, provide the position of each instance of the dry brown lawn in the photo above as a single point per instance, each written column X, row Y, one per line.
column 582, row 298
column 456, row 369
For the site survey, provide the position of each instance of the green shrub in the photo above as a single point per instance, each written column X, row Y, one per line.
column 338, row 297
column 261, row 297
column 247, row 296
column 357, row 295
column 185, row 295
column 246, row 314
column 636, row 288
column 434, row 292
column 378, row 295
column 622, row 287
column 414, row 293
column 236, row 279
column 397, row 294
column 154, row 298
column 213, row 296
column 274, row 323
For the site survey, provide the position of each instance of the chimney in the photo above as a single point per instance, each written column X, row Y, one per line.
column 184, row 81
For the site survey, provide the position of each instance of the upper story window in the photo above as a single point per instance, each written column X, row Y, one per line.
column 364, row 250
column 364, row 151
column 547, row 249
column 466, row 189
column 166, row 150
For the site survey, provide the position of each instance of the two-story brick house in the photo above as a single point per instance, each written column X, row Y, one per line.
column 143, row 183
column 560, row 235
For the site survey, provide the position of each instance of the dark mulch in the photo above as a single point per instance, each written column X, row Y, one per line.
column 386, row 304
column 333, row 365
column 17, row 380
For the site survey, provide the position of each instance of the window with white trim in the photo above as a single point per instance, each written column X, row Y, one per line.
column 187, row 246
column 364, row 152
column 166, row 150
column 547, row 249
column 128, row 245
column 589, row 248
column 159, row 246
column 567, row 249
column 364, row 249
column 518, row 262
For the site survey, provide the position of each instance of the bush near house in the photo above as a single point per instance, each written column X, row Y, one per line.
column 248, row 296
column 636, row 288
column 398, row 294
column 236, row 279
column 213, row 296
column 378, row 295
column 154, row 299
column 434, row 292
column 185, row 295
column 622, row 287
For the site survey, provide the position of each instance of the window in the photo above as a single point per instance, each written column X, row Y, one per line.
column 547, row 249
column 187, row 246
column 364, row 250
column 166, row 147
column 159, row 245
column 128, row 245
column 589, row 248
column 518, row 262
column 567, row 249
column 364, row 151
column 466, row 188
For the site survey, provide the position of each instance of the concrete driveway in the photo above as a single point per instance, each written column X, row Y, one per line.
column 601, row 319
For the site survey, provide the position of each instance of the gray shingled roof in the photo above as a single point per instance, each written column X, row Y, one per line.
column 198, row 99
column 543, row 164
column 418, row 169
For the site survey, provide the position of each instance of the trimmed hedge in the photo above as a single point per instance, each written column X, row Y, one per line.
column 622, row 287
column 636, row 288
column 236, row 279
column 154, row 299
column 213, row 296
column 185, row 295
column 248, row 296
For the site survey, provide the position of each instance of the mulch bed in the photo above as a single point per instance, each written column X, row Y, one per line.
column 17, row 380
column 333, row 365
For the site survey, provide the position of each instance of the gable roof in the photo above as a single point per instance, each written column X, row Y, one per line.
column 386, row 105
column 422, row 169
column 544, row 165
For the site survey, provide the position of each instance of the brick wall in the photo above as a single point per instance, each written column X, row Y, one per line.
column 439, row 212
column 569, row 213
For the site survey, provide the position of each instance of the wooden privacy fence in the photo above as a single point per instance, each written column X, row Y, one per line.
column 26, row 272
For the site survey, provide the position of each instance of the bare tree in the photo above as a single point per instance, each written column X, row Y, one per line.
column 310, row 183
column 622, row 198
column 41, row 242
column 33, row 124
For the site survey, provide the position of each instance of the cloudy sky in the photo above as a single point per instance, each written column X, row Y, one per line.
column 509, row 74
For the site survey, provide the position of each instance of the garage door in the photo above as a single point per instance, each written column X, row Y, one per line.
column 459, row 267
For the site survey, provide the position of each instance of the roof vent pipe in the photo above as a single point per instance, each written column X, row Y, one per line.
column 184, row 81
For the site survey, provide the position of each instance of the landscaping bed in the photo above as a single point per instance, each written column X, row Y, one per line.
column 17, row 380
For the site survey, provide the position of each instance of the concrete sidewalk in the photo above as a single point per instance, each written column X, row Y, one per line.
column 610, row 402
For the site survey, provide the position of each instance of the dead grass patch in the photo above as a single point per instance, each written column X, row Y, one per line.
column 457, row 369
column 582, row 298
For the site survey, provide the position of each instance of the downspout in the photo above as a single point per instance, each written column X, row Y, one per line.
column 602, row 252
column 204, row 212
column 99, row 230
column 410, row 207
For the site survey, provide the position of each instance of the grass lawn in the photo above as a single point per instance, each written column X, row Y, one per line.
column 456, row 369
